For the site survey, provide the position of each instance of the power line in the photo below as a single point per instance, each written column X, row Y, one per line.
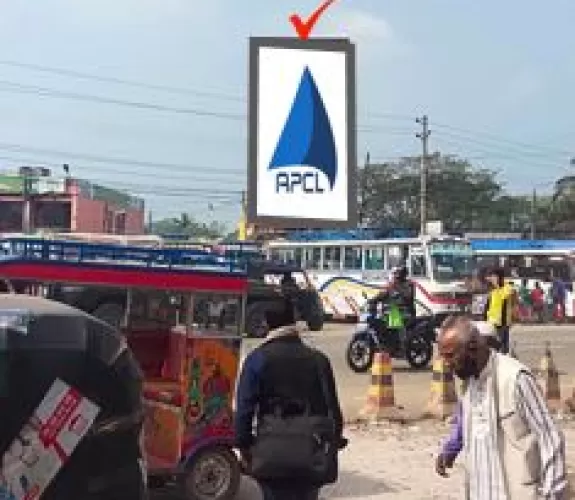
column 497, row 138
column 111, row 159
column 48, row 92
column 121, row 81
column 169, row 191
column 17, row 87
column 477, row 133
column 213, row 176
column 524, row 158
column 501, row 147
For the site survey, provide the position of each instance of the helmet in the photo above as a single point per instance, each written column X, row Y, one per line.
column 400, row 272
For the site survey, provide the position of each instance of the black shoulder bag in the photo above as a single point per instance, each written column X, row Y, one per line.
column 300, row 447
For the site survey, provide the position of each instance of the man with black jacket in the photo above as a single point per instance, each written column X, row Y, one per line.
column 284, row 371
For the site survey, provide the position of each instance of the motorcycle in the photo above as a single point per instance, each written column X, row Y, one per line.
column 414, row 342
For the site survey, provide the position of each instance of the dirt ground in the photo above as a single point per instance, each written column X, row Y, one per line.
column 396, row 462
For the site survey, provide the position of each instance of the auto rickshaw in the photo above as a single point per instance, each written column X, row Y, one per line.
column 182, row 316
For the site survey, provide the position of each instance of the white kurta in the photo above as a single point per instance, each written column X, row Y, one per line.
column 484, row 464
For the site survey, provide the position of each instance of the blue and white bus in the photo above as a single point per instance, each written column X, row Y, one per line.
column 347, row 268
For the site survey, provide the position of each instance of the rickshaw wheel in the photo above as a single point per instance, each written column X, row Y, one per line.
column 213, row 474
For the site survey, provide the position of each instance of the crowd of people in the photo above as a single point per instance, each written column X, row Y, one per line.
column 534, row 304
column 534, row 301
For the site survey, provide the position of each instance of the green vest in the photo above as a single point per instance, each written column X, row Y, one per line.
column 395, row 318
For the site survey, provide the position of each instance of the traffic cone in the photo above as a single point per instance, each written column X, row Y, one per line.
column 549, row 380
column 380, row 396
column 443, row 392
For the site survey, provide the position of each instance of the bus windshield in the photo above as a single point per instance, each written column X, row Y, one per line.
column 451, row 260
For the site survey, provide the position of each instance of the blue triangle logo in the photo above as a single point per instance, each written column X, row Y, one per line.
column 307, row 138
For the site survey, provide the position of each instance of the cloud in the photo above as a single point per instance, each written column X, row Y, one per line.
column 371, row 32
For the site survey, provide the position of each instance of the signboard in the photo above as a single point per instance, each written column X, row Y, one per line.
column 45, row 443
column 11, row 184
column 302, row 133
column 47, row 185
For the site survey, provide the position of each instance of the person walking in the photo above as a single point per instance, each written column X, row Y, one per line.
column 284, row 384
column 453, row 445
column 525, row 302
column 538, row 301
column 558, row 297
column 512, row 448
column 499, row 307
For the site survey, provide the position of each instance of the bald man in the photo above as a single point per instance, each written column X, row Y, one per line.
column 513, row 450
column 453, row 445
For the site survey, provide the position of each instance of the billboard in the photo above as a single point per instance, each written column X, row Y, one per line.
column 11, row 184
column 302, row 133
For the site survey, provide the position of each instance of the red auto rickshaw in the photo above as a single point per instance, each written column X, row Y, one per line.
column 182, row 313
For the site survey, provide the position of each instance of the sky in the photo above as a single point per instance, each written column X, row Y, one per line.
column 495, row 78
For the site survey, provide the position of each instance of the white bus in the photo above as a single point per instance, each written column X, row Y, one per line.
column 348, row 272
column 533, row 261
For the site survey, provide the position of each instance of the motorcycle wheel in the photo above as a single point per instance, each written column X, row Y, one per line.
column 360, row 354
column 418, row 352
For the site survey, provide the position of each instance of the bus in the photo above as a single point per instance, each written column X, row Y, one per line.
column 539, row 261
column 348, row 271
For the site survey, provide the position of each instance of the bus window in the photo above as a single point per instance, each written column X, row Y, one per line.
column 307, row 258
column 298, row 254
column 275, row 254
column 287, row 255
column 312, row 258
column 352, row 258
column 332, row 258
column 396, row 256
column 374, row 258
column 418, row 266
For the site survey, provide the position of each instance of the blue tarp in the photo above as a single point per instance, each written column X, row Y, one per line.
column 517, row 244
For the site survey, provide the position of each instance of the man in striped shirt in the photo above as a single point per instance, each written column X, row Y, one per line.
column 513, row 449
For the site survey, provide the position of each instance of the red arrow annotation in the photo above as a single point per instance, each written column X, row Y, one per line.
column 304, row 28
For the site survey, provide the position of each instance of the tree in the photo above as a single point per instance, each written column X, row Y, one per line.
column 186, row 226
column 560, row 208
column 463, row 197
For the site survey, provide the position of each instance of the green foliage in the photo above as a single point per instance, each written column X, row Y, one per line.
column 464, row 197
column 186, row 227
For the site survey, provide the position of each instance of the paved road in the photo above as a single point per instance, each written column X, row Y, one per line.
column 412, row 387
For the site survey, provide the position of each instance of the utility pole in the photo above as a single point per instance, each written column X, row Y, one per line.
column 150, row 222
column 242, row 226
column 533, row 214
column 363, row 190
column 423, row 136
column 27, row 205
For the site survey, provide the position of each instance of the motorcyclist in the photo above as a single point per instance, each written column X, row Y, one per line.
column 401, row 293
